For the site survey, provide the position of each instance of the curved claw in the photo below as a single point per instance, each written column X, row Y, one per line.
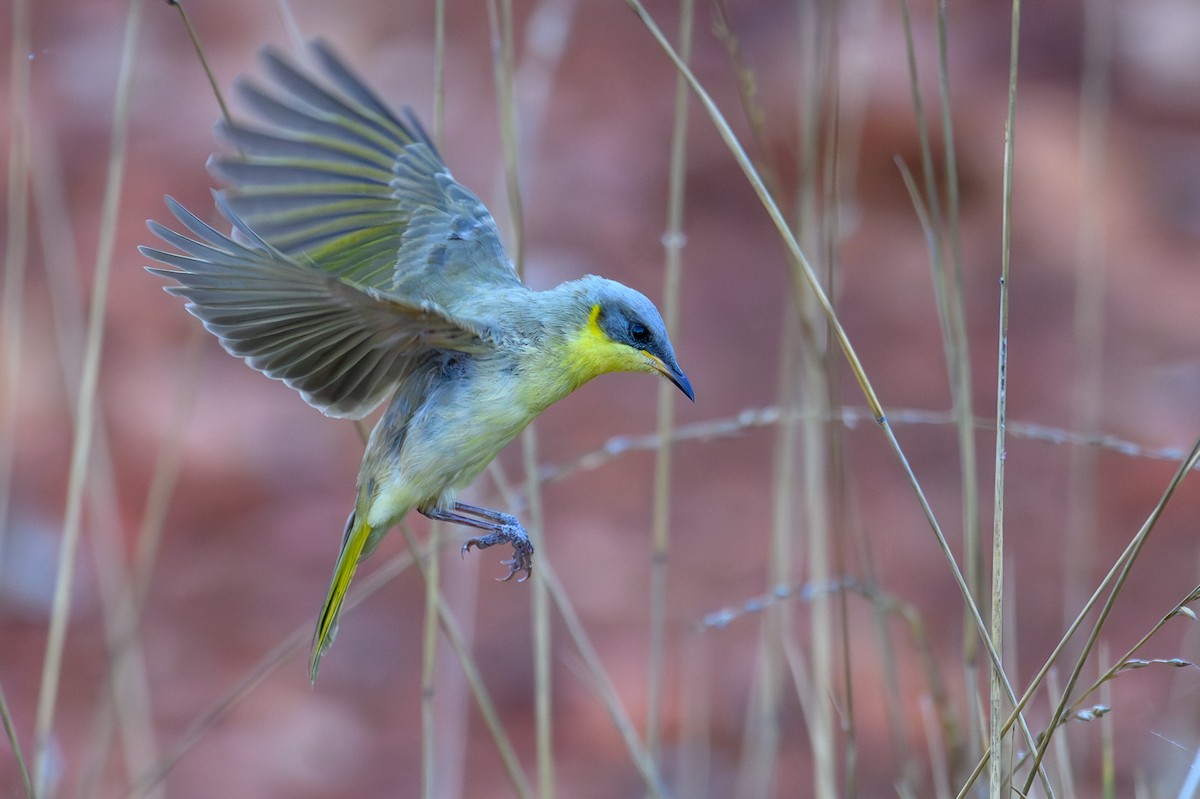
column 520, row 561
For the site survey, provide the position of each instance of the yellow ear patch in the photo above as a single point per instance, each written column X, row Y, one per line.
column 593, row 352
column 593, row 324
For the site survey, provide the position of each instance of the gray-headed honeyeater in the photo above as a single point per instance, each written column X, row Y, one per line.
column 359, row 270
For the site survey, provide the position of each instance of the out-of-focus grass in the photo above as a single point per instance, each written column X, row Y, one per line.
column 824, row 571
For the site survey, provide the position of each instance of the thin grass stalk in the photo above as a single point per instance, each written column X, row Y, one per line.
column 762, row 732
column 695, row 688
column 126, row 668
column 1190, row 788
column 961, row 385
column 544, row 703
column 125, row 701
column 548, row 27
column 433, row 571
column 166, row 472
column 939, row 772
column 127, row 689
column 926, row 224
column 429, row 661
column 673, row 242
column 289, row 647
column 893, row 696
column 851, row 417
column 455, row 702
column 543, row 671
column 162, row 484
column 1122, row 662
column 817, row 151
column 195, row 39
column 501, row 27
column 1191, row 784
column 1119, row 569
column 879, row 613
column 15, row 266
column 805, row 686
column 923, row 218
column 839, row 500
column 546, row 34
column 85, row 411
column 1090, row 285
column 1062, row 752
column 1108, row 759
column 500, row 17
column 932, row 198
column 760, row 751
column 885, row 607
column 10, row 731
column 747, row 87
column 16, row 248
column 810, row 108
column 457, row 638
column 993, row 657
column 642, row 761
column 996, row 695
column 439, row 72
column 756, row 182
column 961, row 393
column 1012, row 653
column 948, row 294
column 814, row 448
column 949, row 150
column 961, row 389
column 809, row 278
column 930, row 669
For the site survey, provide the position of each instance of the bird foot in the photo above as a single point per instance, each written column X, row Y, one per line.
column 508, row 533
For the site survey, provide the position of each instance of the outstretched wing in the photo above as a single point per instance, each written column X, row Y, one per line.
column 361, row 192
column 343, row 347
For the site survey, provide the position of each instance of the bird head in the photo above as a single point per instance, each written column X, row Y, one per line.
column 623, row 332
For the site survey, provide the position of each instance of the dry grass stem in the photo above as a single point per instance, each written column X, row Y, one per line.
column 833, row 665
column 1127, row 563
column 85, row 411
column 16, row 247
column 673, row 243
column 810, row 279
column 288, row 648
column 645, row 764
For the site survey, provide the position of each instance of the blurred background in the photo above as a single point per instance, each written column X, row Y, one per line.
column 1104, row 342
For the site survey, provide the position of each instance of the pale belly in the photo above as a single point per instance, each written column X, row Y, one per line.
column 450, row 439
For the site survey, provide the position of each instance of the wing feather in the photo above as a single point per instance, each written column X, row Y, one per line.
column 337, row 178
column 342, row 346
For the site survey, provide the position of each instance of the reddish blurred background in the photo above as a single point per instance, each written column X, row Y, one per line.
column 265, row 482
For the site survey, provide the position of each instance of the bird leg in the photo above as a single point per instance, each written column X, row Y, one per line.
column 501, row 528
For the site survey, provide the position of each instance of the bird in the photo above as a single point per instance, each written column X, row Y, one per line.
column 358, row 270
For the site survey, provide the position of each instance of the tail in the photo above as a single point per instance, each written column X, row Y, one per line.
column 357, row 534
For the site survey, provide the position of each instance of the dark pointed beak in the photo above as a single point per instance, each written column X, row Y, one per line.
column 672, row 372
column 683, row 384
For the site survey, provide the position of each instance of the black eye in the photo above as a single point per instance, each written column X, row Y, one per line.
column 638, row 332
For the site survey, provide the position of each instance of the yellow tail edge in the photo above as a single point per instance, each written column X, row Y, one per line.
column 357, row 533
